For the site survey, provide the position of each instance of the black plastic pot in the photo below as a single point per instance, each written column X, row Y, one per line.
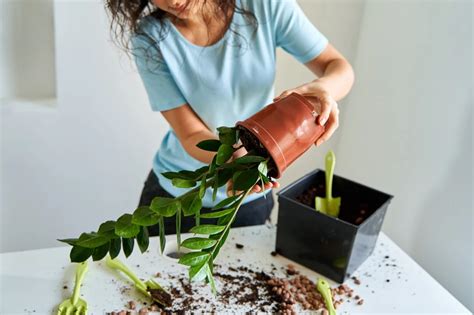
column 333, row 247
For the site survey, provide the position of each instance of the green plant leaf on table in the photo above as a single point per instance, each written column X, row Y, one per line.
column 75, row 305
column 147, row 288
column 325, row 290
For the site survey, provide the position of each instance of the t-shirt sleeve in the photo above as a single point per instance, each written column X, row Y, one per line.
column 163, row 93
column 294, row 32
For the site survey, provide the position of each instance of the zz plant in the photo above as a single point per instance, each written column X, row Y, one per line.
column 245, row 172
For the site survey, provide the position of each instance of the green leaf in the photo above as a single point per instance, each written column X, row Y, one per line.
column 202, row 187
column 212, row 166
column 215, row 186
column 209, row 145
column 200, row 171
column 92, row 240
column 246, row 179
column 100, row 252
column 79, row 253
column 144, row 216
column 234, row 178
column 264, row 178
column 164, row 206
column 184, row 174
column 143, row 239
column 161, row 223
column 248, row 159
column 198, row 272
column 224, row 153
column 224, row 219
column 191, row 204
column 227, row 135
column 198, row 243
column 225, row 202
column 70, row 241
column 208, row 229
column 127, row 245
column 221, row 243
column 263, row 168
column 107, row 229
column 125, row 228
column 183, row 183
column 210, row 278
column 193, row 258
column 197, row 218
column 224, row 176
column 178, row 228
column 115, row 246
column 216, row 214
column 171, row 175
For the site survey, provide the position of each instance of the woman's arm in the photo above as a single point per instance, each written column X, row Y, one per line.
column 190, row 130
column 334, row 71
column 335, row 79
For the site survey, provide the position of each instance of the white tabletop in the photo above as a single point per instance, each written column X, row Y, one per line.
column 31, row 282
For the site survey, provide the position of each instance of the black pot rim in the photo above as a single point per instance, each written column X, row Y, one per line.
column 281, row 194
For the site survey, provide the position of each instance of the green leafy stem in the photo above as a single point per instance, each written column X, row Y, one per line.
column 245, row 172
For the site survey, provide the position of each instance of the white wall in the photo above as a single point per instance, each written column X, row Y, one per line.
column 22, row 76
column 407, row 130
column 339, row 21
column 67, row 169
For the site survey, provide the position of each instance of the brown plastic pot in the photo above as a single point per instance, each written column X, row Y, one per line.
column 286, row 128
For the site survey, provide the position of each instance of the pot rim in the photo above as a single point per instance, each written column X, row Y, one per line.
column 281, row 194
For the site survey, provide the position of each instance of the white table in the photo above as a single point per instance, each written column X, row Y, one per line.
column 31, row 282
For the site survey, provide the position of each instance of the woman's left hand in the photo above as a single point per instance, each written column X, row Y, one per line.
column 328, row 109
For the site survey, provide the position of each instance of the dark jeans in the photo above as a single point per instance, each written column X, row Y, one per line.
column 254, row 212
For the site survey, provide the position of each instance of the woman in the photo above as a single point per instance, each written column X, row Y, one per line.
column 211, row 63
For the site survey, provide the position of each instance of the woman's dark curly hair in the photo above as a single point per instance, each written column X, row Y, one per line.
column 125, row 17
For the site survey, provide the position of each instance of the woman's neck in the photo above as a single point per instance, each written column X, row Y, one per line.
column 205, row 27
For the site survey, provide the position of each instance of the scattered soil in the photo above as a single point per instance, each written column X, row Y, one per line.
column 161, row 295
column 239, row 246
column 356, row 280
column 349, row 215
column 252, row 144
column 283, row 291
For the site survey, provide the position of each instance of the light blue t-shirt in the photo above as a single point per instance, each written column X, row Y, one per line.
column 223, row 83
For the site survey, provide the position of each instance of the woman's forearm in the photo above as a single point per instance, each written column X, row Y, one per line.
column 337, row 79
column 189, row 144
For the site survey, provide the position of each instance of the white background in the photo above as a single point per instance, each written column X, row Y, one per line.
column 406, row 128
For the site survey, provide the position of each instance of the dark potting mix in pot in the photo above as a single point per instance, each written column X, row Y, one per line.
column 274, row 138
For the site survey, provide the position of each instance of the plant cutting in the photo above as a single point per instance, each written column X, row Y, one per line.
column 325, row 290
column 75, row 305
column 149, row 288
column 269, row 151
column 329, row 205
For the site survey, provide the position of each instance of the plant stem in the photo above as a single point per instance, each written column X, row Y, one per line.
column 243, row 196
